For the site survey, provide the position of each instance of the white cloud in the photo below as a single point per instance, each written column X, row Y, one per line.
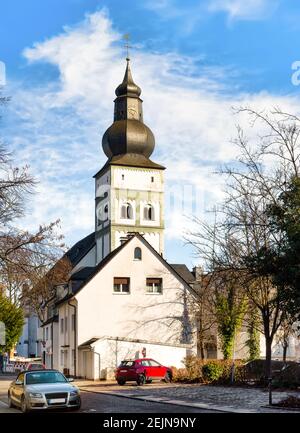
column 60, row 125
column 194, row 12
column 244, row 10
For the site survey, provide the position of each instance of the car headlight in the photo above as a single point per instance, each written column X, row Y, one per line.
column 35, row 395
column 75, row 392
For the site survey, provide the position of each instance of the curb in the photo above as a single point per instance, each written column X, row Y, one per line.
column 163, row 400
column 287, row 409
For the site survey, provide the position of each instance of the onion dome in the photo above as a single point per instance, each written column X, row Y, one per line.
column 128, row 134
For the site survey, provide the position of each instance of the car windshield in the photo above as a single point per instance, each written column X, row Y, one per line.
column 127, row 363
column 45, row 377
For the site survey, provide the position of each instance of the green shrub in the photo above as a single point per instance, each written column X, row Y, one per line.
column 212, row 371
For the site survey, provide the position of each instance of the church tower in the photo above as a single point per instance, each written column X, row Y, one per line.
column 129, row 188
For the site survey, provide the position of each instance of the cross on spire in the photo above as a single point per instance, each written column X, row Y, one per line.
column 126, row 37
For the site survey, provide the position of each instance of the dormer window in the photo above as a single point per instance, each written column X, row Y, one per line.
column 127, row 211
column 137, row 253
column 149, row 214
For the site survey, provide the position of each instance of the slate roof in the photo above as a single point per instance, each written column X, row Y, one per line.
column 184, row 272
column 130, row 160
column 80, row 249
column 83, row 274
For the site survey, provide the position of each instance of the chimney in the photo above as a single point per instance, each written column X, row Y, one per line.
column 123, row 239
column 198, row 272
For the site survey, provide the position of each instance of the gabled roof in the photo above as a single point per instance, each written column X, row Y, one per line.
column 91, row 272
column 89, row 342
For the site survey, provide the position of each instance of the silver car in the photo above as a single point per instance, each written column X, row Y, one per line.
column 43, row 389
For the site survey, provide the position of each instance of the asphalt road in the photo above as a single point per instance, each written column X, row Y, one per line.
column 102, row 403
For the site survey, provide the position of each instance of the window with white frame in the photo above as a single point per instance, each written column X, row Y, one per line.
column 154, row 285
column 121, row 285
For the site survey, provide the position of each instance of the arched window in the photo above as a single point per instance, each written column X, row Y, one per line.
column 149, row 214
column 126, row 211
column 137, row 253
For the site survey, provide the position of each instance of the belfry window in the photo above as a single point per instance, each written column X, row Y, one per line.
column 127, row 211
column 149, row 214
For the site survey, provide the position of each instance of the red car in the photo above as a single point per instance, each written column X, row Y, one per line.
column 142, row 371
column 36, row 366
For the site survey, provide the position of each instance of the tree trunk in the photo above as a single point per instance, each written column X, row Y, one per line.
column 285, row 348
column 201, row 346
column 268, row 366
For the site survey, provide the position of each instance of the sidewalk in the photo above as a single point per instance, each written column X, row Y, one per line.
column 219, row 398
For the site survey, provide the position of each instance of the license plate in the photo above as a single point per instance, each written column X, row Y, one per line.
column 57, row 400
column 123, row 371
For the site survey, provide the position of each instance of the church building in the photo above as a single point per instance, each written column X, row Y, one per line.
column 123, row 299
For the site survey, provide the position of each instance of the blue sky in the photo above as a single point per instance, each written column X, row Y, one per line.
column 194, row 60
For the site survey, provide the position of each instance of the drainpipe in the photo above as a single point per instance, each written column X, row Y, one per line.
column 75, row 332
column 52, row 345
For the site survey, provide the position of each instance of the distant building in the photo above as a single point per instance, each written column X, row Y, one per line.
column 30, row 342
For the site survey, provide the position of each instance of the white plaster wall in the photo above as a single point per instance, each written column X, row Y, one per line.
column 101, row 183
column 137, row 179
column 101, row 312
column 153, row 239
column 105, row 240
column 107, row 354
column 65, row 338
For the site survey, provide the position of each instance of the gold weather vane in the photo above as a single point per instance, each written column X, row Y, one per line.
column 126, row 37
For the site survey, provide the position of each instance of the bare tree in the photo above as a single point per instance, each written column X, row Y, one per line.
column 26, row 259
column 239, row 241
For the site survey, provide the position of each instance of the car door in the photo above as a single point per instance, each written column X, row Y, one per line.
column 156, row 369
column 147, row 368
column 18, row 387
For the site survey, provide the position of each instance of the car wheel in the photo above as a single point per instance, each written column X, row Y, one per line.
column 141, row 380
column 24, row 407
column 121, row 382
column 10, row 403
column 168, row 377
